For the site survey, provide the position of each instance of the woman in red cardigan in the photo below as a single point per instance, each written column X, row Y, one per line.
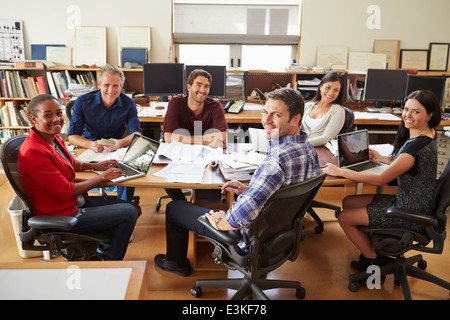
column 47, row 171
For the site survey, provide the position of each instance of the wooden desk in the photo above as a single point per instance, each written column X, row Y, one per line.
column 246, row 116
column 212, row 177
column 254, row 116
column 77, row 280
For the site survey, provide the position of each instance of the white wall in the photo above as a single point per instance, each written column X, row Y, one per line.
column 331, row 22
column 325, row 22
column 45, row 22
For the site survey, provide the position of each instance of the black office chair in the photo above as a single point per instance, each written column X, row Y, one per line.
column 275, row 237
column 347, row 127
column 71, row 246
column 396, row 242
column 69, row 107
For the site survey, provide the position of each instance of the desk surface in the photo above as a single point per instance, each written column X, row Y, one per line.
column 212, row 177
column 254, row 116
column 74, row 280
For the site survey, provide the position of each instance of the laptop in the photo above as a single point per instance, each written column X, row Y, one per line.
column 138, row 158
column 353, row 152
column 259, row 140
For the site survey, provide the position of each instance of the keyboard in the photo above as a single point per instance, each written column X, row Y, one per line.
column 128, row 171
column 364, row 166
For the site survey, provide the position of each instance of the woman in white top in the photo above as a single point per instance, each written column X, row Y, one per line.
column 324, row 115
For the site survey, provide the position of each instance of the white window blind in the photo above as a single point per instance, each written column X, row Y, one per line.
column 237, row 22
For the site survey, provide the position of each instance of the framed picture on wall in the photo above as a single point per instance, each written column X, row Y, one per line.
column 414, row 59
column 438, row 56
column 137, row 38
column 392, row 50
column 90, row 46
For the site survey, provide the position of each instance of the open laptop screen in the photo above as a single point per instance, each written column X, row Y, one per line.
column 353, row 147
column 140, row 152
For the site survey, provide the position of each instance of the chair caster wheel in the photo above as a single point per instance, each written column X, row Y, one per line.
column 196, row 291
column 318, row 229
column 300, row 293
column 354, row 286
column 422, row 264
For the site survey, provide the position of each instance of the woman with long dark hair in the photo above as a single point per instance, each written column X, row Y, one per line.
column 413, row 164
column 324, row 115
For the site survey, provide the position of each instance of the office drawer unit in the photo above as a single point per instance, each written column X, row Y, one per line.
column 443, row 151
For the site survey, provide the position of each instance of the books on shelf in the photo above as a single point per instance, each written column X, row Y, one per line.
column 61, row 84
column 16, row 85
column 13, row 115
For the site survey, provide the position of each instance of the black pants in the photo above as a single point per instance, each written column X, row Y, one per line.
column 181, row 216
column 175, row 194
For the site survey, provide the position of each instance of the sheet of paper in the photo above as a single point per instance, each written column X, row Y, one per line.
column 90, row 155
column 186, row 153
column 387, row 116
column 182, row 173
column 384, row 149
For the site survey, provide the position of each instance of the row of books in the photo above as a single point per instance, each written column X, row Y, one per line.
column 6, row 134
column 13, row 115
column 61, row 84
column 16, row 85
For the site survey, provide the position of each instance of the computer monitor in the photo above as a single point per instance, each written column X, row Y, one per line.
column 219, row 79
column 384, row 86
column 435, row 84
column 164, row 79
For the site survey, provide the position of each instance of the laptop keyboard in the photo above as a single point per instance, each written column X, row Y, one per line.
column 128, row 171
column 364, row 166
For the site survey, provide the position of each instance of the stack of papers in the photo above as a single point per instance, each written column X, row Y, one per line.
column 186, row 162
column 242, row 164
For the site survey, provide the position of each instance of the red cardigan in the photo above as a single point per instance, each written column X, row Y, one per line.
column 48, row 178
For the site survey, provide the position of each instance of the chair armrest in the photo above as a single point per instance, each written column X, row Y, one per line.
column 230, row 238
column 423, row 220
column 53, row 222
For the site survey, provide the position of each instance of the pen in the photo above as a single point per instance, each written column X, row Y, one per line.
column 232, row 187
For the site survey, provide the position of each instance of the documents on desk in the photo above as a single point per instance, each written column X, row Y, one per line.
column 90, row 155
column 155, row 109
column 376, row 115
column 185, row 162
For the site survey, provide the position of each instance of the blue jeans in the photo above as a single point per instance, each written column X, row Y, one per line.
column 125, row 193
column 99, row 214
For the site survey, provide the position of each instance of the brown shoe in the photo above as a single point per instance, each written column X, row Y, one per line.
column 138, row 208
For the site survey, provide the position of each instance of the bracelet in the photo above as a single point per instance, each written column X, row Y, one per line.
column 217, row 222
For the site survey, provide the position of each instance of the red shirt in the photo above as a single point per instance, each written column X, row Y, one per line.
column 179, row 116
column 48, row 178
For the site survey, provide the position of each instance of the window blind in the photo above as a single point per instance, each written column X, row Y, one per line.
column 230, row 22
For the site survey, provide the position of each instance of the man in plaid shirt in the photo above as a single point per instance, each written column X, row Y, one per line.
column 291, row 160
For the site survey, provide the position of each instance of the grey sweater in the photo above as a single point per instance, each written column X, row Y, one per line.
column 328, row 128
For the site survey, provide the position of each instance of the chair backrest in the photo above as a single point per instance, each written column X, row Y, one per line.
column 69, row 109
column 443, row 198
column 349, row 120
column 9, row 156
column 276, row 228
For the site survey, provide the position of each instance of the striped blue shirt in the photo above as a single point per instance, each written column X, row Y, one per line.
column 291, row 160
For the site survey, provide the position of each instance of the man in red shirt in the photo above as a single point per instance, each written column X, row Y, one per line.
column 195, row 118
